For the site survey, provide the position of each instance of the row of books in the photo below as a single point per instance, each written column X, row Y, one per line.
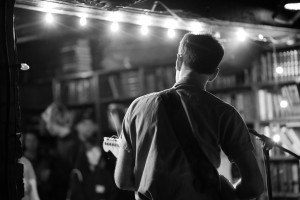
column 120, row 85
column 136, row 82
column 279, row 66
column 284, row 168
column 225, row 81
column 281, row 103
column 76, row 91
column 284, row 177
column 243, row 103
column 159, row 78
column 288, row 137
column 76, row 56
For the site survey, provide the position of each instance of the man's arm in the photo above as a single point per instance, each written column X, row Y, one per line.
column 124, row 177
column 251, row 184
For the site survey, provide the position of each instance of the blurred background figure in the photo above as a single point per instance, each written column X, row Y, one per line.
column 30, row 185
column 86, row 127
column 31, row 145
column 40, row 159
column 91, row 179
column 59, row 123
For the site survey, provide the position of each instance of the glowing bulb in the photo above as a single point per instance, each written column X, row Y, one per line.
column 49, row 18
column 217, row 35
column 144, row 30
column 292, row 6
column 82, row 21
column 241, row 35
column 114, row 27
column 284, row 104
column 279, row 70
column 24, row 66
column 276, row 138
column 171, row 33
column 260, row 36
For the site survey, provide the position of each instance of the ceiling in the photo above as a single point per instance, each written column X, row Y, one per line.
column 267, row 12
column 265, row 17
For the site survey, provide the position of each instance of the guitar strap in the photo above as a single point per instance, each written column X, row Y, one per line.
column 207, row 175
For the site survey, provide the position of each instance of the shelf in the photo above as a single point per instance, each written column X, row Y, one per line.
column 283, row 158
column 118, row 100
column 234, row 89
column 271, row 84
column 78, row 105
column 291, row 120
column 287, row 194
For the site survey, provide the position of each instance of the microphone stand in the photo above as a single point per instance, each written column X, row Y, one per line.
column 268, row 144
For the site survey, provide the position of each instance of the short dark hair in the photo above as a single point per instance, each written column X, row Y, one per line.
column 202, row 53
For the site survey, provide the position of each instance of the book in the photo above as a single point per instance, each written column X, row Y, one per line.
column 295, row 177
column 114, row 86
column 262, row 104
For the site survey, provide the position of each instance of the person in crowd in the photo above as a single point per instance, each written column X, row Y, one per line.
column 40, row 160
column 90, row 179
column 30, row 184
column 59, row 123
column 153, row 162
column 31, row 147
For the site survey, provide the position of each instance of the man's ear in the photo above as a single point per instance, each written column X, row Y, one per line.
column 179, row 61
column 214, row 75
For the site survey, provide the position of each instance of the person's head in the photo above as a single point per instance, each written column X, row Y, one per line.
column 86, row 126
column 30, row 141
column 93, row 154
column 200, row 53
column 58, row 119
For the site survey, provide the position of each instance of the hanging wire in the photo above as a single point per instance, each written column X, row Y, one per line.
column 167, row 9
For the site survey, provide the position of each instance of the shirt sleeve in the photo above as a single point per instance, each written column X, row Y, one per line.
column 124, row 141
column 235, row 138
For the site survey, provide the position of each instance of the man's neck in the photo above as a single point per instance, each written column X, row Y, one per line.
column 194, row 78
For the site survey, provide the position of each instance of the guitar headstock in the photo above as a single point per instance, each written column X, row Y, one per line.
column 111, row 144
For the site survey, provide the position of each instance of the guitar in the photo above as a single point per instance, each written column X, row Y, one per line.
column 227, row 190
column 111, row 144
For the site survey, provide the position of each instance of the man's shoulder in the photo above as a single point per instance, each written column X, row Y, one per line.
column 219, row 103
column 147, row 99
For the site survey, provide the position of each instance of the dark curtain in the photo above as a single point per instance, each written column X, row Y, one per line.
column 11, row 173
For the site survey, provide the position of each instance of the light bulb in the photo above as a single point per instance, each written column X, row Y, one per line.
column 284, row 104
column 276, row 138
column 279, row 70
column 260, row 36
column 144, row 30
column 171, row 33
column 241, row 35
column 292, row 6
column 82, row 21
column 217, row 35
column 49, row 18
column 114, row 27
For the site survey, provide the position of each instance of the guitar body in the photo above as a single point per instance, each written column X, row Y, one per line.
column 227, row 191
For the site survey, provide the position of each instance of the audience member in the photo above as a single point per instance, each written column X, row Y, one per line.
column 91, row 180
column 30, row 185
column 59, row 124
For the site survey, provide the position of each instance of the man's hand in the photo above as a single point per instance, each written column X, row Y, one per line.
column 227, row 189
